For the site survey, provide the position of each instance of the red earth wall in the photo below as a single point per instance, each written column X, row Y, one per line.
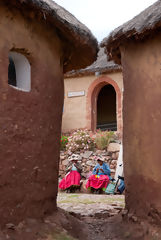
column 30, row 122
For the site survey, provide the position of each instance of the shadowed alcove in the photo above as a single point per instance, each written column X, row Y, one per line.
column 106, row 109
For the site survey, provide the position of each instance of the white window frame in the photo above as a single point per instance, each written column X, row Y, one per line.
column 23, row 71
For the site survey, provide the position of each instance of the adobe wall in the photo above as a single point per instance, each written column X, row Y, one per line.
column 76, row 109
column 30, row 121
column 142, row 126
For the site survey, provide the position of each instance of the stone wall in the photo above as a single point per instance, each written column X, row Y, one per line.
column 88, row 159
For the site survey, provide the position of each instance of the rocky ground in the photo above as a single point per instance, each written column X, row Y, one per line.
column 84, row 217
column 103, row 217
column 91, row 204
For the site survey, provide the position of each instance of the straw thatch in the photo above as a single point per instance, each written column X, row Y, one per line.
column 80, row 45
column 100, row 66
column 140, row 27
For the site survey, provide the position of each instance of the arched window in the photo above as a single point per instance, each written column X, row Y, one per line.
column 11, row 73
column 19, row 72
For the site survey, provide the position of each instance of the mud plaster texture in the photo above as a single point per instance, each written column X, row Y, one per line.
column 142, row 117
column 30, row 121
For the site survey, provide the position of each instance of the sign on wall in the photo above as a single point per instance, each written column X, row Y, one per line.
column 76, row 94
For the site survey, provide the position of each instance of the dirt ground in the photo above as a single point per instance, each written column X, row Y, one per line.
column 91, row 204
column 84, row 217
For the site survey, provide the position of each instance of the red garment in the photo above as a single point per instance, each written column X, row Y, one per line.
column 72, row 178
column 97, row 181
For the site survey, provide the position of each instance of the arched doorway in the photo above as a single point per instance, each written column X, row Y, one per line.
column 92, row 96
column 106, row 109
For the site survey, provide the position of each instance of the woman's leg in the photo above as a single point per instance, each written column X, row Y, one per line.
column 121, row 187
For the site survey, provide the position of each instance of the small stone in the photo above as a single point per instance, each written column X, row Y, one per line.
column 36, row 168
column 114, row 156
column 60, row 167
column 134, row 218
column 107, row 158
column 114, row 162
column 130, row 216
column 113, row 147
column 117, row 155
column 90, row 163
column 65, row 162
column 62, row 157
column 112, row 166
column 83, row 175
column 98, row 152
column 47, row 221
column 104, row 153
column 18, row 205
column 10, row 226
column 86, row 154
column 20, row 225
column 124, row 212
column 16, row 126
column 88, row 168
column 62, row 153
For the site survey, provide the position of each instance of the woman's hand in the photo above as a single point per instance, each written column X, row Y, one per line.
column 102, row 170
column 97, row 170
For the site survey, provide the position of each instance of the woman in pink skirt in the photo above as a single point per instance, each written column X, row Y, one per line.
column 101, row 176
column 71, row 181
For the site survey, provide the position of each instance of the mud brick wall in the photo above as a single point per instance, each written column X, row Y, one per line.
column 30, row 121
column 142, row 132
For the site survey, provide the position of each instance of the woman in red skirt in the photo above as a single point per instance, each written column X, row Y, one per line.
column 101, row 176
column 71, row 181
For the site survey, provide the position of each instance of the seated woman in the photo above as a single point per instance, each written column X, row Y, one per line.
column 101, row 176
column 71, row 181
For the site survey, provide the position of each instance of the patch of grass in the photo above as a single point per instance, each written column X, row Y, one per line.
column 111, row 200
column 73, row 196
column 106, row 199
column 59, row 236
column 103, row 139
column 84, row 201
column 122, row 205
column 87, row 201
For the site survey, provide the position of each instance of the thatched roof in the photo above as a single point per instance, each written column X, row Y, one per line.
column 101, row 65
column 140, row 27
column 80, row 45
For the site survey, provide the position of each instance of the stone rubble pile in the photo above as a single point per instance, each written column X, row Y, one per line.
column 88, row 159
